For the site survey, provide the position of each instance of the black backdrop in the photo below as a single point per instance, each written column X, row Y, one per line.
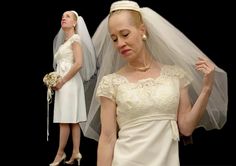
column 208, row 25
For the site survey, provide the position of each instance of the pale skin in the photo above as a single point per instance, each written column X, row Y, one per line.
column 127, row 36
column 68, row 23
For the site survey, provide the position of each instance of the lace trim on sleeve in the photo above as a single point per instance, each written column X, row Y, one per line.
column 184, row 78
column 75, row 38
column 106, row 88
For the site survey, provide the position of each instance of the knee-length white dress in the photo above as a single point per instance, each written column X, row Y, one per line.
column 146, row 115
column 69, row 104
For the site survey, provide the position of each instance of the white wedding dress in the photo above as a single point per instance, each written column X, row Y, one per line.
column 69, row 105
column 146, row 115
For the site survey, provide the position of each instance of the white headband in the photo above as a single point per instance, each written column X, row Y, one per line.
column 130, row 5
column 76, row 14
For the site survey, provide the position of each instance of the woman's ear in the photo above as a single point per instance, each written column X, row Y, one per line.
column 143, row 29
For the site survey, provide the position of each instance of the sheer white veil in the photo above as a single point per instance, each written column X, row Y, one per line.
column 88, row 69
column 89, row 59
column 169, row 46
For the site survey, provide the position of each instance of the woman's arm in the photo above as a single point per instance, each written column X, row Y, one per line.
column 189, row 116
column 108, row 134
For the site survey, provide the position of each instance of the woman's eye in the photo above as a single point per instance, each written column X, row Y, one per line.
column 114, row 39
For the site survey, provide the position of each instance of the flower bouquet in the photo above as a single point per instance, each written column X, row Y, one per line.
column 50, row 80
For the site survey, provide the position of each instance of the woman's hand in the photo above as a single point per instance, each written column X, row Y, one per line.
column 59, row 84
column 207, row 68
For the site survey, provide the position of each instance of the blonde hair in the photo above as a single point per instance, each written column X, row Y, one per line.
column 75, row 14
column 135, row 16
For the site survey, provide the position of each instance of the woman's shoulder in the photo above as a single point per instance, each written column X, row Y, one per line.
column 75, row 37
column 109, row 77
column 113, row 79
column 171, row 67
column 173, row 70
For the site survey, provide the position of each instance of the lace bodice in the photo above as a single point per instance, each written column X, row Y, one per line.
column 147, row 99
column 64, row 56
column 64, row 52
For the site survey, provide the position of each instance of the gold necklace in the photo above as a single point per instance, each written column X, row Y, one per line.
column 143, row 69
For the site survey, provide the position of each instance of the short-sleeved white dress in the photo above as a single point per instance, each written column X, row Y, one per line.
column 69, row 104
column 146, row 115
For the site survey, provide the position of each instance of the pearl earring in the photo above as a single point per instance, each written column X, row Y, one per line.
column 144, row 37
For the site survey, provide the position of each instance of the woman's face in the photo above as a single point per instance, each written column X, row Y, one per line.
column 126, row 35
column 68, row 20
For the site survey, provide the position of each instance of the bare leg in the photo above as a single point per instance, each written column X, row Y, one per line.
column 76, row 133
column 76, row 137
column 64, row 134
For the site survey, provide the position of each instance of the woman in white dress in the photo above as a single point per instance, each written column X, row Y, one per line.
column 153, row 83
column 74, row 61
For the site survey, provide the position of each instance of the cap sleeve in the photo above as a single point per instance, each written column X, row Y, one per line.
column 106, row 88
column 184, row 77
column 75, row 38
column 176, row 72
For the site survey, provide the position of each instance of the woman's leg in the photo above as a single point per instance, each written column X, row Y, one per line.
column 75, row 129
column 76, row 135
column 63, row 138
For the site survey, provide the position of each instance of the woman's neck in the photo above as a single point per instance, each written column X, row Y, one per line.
column 68, row 34
column 143, row 65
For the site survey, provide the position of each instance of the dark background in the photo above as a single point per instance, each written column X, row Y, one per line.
column 33, row 27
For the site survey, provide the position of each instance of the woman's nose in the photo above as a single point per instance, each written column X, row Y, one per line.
column 120, row 43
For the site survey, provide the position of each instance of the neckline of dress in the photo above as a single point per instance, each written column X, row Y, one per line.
column 143, row 79
column 69, row 38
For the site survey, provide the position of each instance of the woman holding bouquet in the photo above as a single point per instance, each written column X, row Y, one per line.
column 74, row 60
